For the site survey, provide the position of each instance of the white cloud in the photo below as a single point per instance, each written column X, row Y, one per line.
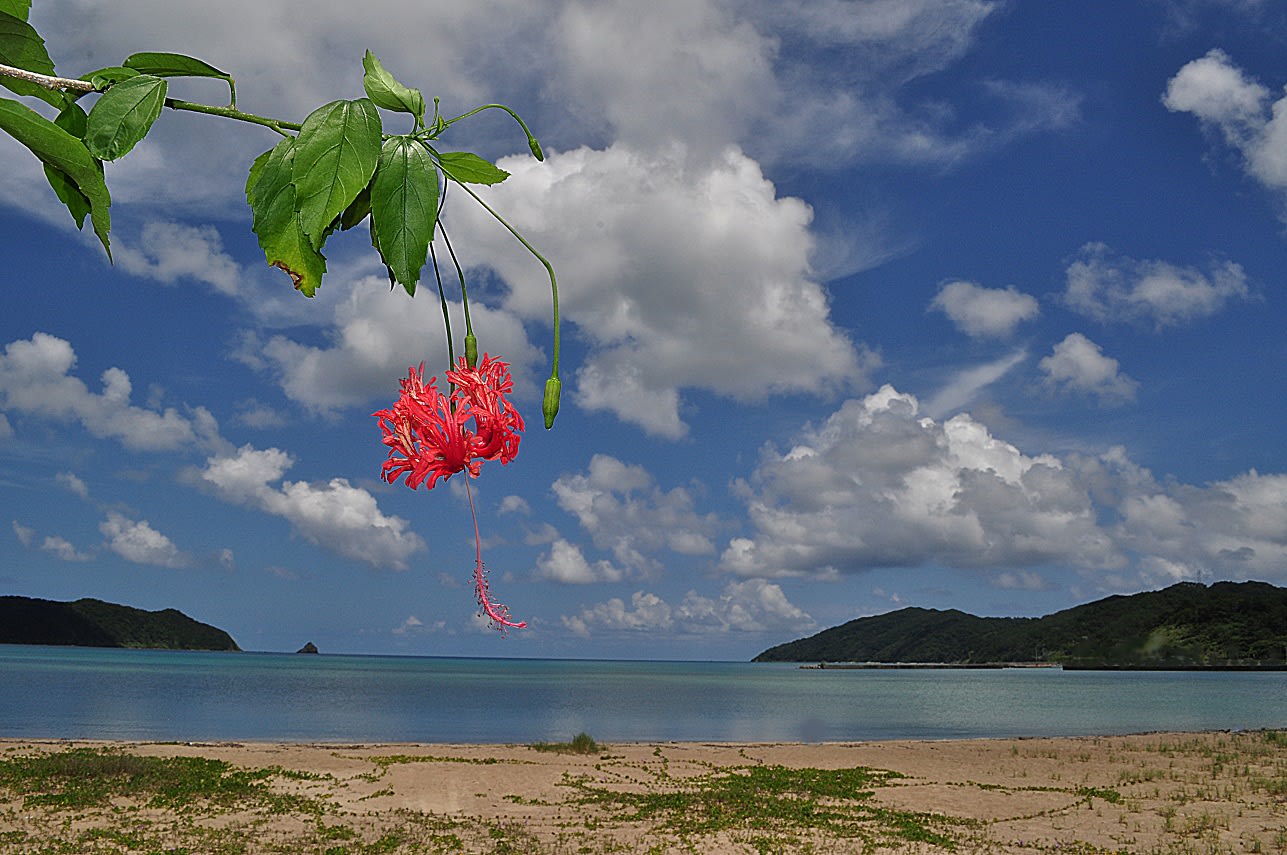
column 35, row 379
column 565, row 563
column 984, row 312
column 681, row 69
column 63, row 549
column 73, row 484
column 6, row 429
column 25, row 534
column 1242, row 110
column 962, row 388
column 514, row 505
column 168, row 251
column 625, row 512
column 878, row 485
column 752, row 605
column 333, row 515
column 678, row 276
column 1077, row 364
column 1109, row 287
column 137, row 541
column 375, row 334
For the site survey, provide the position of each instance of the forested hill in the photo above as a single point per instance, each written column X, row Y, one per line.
column 94, row 623
column 1185, row 625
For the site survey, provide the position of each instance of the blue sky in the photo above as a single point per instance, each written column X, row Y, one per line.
column 947, row 303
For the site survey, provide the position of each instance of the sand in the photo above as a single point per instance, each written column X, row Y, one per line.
column 1166, row 792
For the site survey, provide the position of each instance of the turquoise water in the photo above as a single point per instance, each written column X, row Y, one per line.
column 67, row 692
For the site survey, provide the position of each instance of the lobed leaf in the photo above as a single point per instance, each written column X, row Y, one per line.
column 335, row 156
column 123, row 115
column 22, row 47
column 67, row 154
column 469, row 168
column 276, row 221
column 384, row 89
column 404, row 207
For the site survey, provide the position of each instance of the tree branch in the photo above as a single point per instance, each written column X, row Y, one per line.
column 45, row 80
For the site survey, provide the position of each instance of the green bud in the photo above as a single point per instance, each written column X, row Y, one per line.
column 471, row 351
column 550, row 406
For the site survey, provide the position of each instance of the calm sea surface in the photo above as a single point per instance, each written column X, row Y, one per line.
column 169, row 695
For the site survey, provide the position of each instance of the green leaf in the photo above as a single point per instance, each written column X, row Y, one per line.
column 470, row 168
column 106, row 77
column 22, row 47
column 172, row 65
column 275, row 218
column 404, row 206
column 64, row 152
column 16, row 8
column 160, row 64
column 335, row 155
column 123, row 115
column 355, row 213
column 72, row 120
column 382, row 88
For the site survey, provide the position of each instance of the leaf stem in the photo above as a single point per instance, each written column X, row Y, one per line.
column 277, row 125
column 549, row 268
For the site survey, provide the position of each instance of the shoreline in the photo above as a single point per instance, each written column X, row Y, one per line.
column 1154, row 792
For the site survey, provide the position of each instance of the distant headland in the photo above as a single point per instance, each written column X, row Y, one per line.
column 94, row 623
column 1188, row 626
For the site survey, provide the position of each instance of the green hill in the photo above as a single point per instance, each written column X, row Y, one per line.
column 94, row 623
column 1185, row 625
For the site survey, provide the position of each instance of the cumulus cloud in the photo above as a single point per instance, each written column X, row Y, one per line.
column 879, row 485
column 624, row 511
column 137, row 541
column 169, row 251
column 25, row 534
column 984, row 312
column 73, row 484
column 64, row 550
column 334, row 515
column 1077, row 364
column 678, row 276
column 1107, row 287
column 36, row 380
column 1240, row 109
column 753, row 605
column 566, row 563
column 374, row 334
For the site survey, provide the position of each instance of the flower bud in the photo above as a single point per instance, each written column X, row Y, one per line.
column 550, row 406
column 471, row 351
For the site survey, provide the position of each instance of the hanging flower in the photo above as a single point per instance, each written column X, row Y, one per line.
column 428, row 438
column 427, row 432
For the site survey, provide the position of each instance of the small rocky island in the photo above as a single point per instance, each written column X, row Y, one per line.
column 94, row 623
column 310, row 647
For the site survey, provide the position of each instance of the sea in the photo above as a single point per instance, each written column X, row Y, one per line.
column 160, row 695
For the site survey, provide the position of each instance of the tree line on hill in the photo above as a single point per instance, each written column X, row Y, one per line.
column 94, row 623
column 1228, row 624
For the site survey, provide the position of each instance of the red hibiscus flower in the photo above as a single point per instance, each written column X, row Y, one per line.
column 427, row 432
column 428, row 438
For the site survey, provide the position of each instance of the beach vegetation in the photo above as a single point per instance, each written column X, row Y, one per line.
column 788, row 804
column 582, row 743
column 93, row 777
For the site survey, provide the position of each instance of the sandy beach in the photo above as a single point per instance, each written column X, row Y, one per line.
column 1166, row 792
